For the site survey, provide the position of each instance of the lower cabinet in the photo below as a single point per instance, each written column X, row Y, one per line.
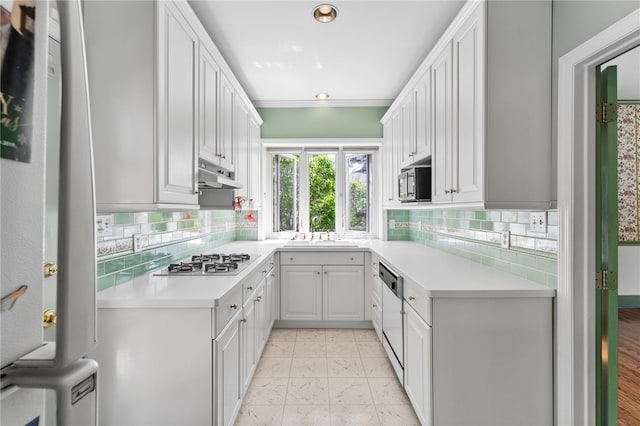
column 329, row 292
column 228, row 384
column 301, row 292
column 417, row 364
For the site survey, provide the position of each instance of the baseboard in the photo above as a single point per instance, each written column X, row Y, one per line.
column 629, row 301
column 321, row 324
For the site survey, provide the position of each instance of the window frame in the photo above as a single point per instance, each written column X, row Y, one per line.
column 341, row 149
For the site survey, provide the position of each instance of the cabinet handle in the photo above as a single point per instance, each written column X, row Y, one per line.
column 375, row 263
column 319, row 272
column 249, row 288
column 291, row 258
column 259, row 298
column 453, row 191
column 273, row 274
column 243, row 320
column 325, row 272
column 446, row 191
column 264, row 271
column 374, row 306
column 234, row 306
column 412, row 298
column 375, row 275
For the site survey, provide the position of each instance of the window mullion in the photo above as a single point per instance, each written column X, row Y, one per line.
column 304, row 192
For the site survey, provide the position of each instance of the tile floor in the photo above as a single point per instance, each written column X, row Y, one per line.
column 325, row 377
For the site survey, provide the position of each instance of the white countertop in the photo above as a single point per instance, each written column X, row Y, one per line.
column 441, row 274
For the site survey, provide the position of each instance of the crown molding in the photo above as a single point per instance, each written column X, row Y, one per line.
column 324, row 104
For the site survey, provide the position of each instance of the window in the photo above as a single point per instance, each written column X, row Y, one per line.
column 322, row 191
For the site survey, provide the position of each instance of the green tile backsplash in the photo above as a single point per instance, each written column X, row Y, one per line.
column 165, row 237
column 475, row 235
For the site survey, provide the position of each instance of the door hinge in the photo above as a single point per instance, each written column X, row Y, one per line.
column 606, row 280
column 606, row 112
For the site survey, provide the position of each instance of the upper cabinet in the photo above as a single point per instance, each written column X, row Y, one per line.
column 482, row 105
column 161, row 97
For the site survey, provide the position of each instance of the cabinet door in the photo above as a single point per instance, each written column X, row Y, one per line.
column 273, row 309
column 228, row 372
column 261, row 302
column 301, row 292
column 226, row 139
column 242, row 148
column 177, row 83
column 408, row 134
column 248, row 329
column 389, row 176
column 441, row 160
column 209, row 76
column 417, row 365
column 255, row 164
column 396, row 119
column 468, row 107
column 423, row 128
column 376, row 315
column 343, row 293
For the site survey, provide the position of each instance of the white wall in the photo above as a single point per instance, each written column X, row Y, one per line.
column 574, row 22
column 628, row 74
column 628, row 270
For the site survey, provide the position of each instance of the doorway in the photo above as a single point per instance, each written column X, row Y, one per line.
column 628, row 234
column 576, row 334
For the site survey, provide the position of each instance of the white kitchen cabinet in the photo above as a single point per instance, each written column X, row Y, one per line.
column 376, row 315
column 229, row 384
column 408, row 141
column 144, row 111
column 442, row 161
column 417, row 364
column 249, row 154
column 389, row 180
column 326, row 286
column 254, row 188
column 249, row 339
column 227, row 136
column 423, row 116
column 491, row 121
column 208, row 112
column 242, row 147
column 301, row 292
column 343, row 293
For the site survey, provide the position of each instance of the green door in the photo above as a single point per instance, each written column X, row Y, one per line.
column 606, row 249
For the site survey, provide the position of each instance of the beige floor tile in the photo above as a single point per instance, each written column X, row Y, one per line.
column 397, row 415
column 377, row 367
column 354, row 415
column 371, row 349
column 259, row 415
column 307, row 391
column 310, row 334
column 339, row 335
column 350, row 390
column 345, row 367
column 387, row 391
column 309, row 367
column 342, row 350
column 365, row 335
column 267, row 391
column 310, row 349
column 277, row 349
column 273, row 367
column 283, row 334
column 306, row 415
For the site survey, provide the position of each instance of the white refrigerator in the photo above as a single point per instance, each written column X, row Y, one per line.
column 47, row 218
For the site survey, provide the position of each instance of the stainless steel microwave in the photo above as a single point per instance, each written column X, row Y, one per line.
column 414, row 184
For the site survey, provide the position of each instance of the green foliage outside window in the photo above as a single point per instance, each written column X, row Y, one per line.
column 322, row 193
column 358, row 205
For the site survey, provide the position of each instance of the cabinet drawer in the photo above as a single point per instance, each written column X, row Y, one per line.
column 321, row 258
column 227, row 307
column 252, row 282
column 376, row 286
column 416, row 296
column 376, row 315
column 270, row 262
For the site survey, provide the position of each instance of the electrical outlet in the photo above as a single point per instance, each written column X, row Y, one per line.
column 137, row 243
column 505, row 239
column 538, row 222
column 392, row 224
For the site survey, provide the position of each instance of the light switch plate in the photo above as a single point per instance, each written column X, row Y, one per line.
column 538, row 222
column 103, row 225
column 505, row 239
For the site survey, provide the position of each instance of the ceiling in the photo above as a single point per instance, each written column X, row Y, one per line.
column 283, row 57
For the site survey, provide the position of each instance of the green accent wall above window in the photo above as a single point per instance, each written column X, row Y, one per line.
column 321, row 122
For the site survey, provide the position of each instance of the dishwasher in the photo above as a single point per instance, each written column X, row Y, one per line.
column 392, row 328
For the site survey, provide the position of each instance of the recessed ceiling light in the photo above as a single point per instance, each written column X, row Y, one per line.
column 322, row 96
column 325, row 13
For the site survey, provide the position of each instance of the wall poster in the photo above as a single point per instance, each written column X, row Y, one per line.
column 17, row 25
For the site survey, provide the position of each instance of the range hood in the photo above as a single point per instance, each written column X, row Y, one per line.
column 212, row 177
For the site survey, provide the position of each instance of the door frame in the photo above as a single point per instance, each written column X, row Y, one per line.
column 575, row 300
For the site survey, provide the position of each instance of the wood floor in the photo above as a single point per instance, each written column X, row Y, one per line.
column 629, row 367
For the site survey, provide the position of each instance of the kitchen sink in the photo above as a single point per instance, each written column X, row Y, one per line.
column 320, row 243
